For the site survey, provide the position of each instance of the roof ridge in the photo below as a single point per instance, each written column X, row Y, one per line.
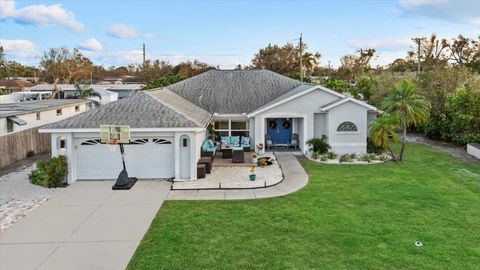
column 172, row 107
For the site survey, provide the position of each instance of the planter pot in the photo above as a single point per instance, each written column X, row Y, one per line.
column 253, row 177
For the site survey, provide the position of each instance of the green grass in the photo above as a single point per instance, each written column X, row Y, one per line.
column 347, row 217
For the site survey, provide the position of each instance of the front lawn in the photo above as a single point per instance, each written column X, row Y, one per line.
column 348, row 217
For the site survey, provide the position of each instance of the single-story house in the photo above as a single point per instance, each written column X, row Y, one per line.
column 11, row 86
column 108, row 92
column 19, row 124
column 169, row 125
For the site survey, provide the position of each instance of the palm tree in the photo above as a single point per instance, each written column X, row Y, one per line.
column 382, row 130
column 410, row 108
column 310, row 61
column 86, row 93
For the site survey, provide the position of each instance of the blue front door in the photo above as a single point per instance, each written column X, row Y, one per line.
column 280, row 130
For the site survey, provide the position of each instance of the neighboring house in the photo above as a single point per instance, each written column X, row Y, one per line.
column 24, row 96
column 168, row 125
column 69, row 91
column 122, row 90
column 19, row 124
column 11, row 86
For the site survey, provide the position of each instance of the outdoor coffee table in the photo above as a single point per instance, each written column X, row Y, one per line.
column 226, row 152
column 237, row 155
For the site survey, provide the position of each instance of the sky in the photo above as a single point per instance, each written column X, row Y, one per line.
column 226, row 33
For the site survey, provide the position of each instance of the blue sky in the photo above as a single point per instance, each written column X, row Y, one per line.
column 226, row 33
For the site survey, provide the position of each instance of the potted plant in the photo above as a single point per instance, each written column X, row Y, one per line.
column 252, row 175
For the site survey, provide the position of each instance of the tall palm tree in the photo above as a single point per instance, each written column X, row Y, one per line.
column 383, row 130
column 86, row 93
column 408, row 106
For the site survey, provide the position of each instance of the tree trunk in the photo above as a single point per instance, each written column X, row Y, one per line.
column 400, row 156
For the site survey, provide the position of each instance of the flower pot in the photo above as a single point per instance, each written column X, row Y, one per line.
column 253, row 177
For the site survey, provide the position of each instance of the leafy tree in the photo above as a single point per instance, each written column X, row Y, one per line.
column 436, row 85
column 383, row 131
column 356, row 65
column 191, row 68
column 151, row 70
column 434, row 53
column 87, row 93
column 285, row 59
column 65, row 66
column 463, row 114
column 410, row 108
column 338, row 85
column 464, row 51
column 163, row 81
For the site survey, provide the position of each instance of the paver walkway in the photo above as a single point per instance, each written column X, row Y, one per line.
column 85, row 226
column 294, row 179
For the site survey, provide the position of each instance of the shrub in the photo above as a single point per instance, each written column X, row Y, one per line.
column 319, row 144
column 353, row 156
column 50, row 173
column 315, row 155
column 368, row 157
column 331, row 155
column 381, row 157
column 324, row 157
column 346, row 158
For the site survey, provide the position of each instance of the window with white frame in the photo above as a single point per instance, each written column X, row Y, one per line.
column 347, row 127
column 231, row 127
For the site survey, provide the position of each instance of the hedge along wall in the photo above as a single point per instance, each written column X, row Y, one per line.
column 15, row 146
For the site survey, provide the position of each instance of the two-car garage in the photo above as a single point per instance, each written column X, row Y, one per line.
column 145, row 158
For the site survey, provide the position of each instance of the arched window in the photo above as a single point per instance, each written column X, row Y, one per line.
column 347, row 127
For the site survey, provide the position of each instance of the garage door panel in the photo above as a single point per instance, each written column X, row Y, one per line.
column 150, row 159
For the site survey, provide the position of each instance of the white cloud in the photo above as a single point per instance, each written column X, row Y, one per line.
column 122, row 31
column 393, row 44
column 18, row 48
column 91, row 45
column 466, row 12
column 39, row 15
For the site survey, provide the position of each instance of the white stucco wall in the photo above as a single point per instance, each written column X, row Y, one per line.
column 343, row 143
column 320, row 124
column 46, row 117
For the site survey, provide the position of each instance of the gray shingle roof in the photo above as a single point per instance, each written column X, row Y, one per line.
column 19, row 108
column 138, row 111
column 182, row 106
column 234, row 91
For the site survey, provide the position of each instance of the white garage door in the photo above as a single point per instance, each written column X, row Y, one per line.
column 144, row 158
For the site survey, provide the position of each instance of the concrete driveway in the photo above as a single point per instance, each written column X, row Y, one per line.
column 84, row 226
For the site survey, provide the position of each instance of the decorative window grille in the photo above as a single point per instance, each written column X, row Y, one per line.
column 347, row 127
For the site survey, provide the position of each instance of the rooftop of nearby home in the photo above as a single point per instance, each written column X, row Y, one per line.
column 71, row 87
column 15, row 83
column 19, row 108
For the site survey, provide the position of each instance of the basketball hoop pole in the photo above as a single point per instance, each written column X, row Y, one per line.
column 122, row 151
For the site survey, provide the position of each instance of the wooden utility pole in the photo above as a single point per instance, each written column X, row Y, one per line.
column 419, row 44
column 301, row 60
column 144, row 53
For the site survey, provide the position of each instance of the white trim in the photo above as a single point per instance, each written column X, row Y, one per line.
column 347, row 133
column 342, row 101
column 217, row 115
column 255, row 112
column 83, row 130
column 348, row 144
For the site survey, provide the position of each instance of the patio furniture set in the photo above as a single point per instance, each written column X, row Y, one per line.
column 293, row 143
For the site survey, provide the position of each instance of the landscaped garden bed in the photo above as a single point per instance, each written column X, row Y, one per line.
column 332, row 158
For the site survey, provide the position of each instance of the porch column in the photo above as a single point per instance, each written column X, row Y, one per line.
column 70, row 153
column 259, row 130
column 176, row 142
